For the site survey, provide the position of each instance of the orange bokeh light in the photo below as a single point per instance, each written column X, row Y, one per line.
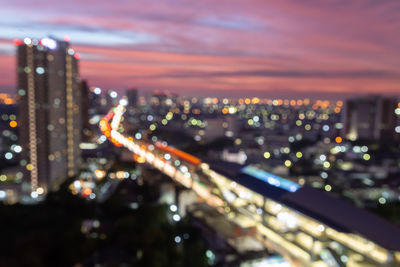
column 13, row 124
column 9, row 101
column 86, row 192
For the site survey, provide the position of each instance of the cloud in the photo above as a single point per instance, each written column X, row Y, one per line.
column 325, row 46
column 353, row 74
column 7, row 49
column 228, row 22
column 81, row 34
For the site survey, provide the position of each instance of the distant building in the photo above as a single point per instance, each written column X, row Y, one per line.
column 49, row 112
column 213, row 129
column 111, row 98
column 132, row 95
column 97, row 104
column 370, row 118
column 163, row 98
column 158, row 98
column 9, row 148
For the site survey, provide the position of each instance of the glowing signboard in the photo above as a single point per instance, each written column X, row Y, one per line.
column 270, row 178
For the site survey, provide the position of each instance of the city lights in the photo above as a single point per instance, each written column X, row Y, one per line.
column 183, row 175
column 49, row 43
column 123, row 102
column 176, row 217
column 97, row 91
column 13, row 124
column 113, row 94
column 39, row 70
column 27, row 41
column 173, row 208
column 328, row 187
column 167, row 135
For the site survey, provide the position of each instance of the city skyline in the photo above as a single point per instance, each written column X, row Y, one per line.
column 200, row 133
column 277, row 49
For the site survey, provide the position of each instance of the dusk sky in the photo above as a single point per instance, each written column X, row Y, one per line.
column 220, row 47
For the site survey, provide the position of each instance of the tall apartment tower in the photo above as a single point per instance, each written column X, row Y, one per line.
column 49, row 115
column 370, row 118
column 132, row 95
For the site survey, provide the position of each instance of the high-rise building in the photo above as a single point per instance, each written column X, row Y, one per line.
column 132, row 95
column 370, row 118
column 95, row 101
column 49, row 112
column 111, row 99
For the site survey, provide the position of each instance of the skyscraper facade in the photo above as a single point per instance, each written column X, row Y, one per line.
column 49, row 103
column 84, row 108
column 132, row 95
column 370, row 118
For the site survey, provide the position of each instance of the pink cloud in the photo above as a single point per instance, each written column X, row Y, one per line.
column 238, row 37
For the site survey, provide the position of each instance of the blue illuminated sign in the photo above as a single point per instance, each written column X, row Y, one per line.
column 270, row 178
